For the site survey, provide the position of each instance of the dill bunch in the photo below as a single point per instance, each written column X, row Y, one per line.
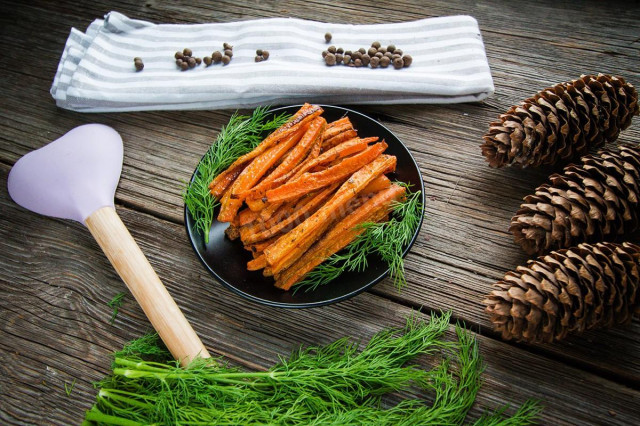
column 386, row 239
column 337, row 384
column 241, row 135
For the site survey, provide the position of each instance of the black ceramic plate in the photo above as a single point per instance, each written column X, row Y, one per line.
column 227, row 260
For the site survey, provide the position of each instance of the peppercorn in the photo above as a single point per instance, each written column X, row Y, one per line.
column 184, row 66
column 225, row 60
column 397, row 63
column 385, row 61
column 362, row 50
column 346, row 59
column 372, row 51
column 259, row 58
column 137, row 62
column 187, row 52
column 391, row 48
column 265, row 54
column 339, row 58
column 228, row 52
column 365, row 60
column 179, row 55
column 376, row 44
column 216, row 56
column 358, row 63
column 259, row 52
column 327, row 37
column 330, row 59
column 198, row 61
column 227, row 46
column 407, row 59
column 375, row 61
column 340, row 50
column 207, row 60
column 332, row 49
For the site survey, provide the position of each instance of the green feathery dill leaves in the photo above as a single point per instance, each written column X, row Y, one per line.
column 241, row 135
column 115, row 304
column 334, row 384
column 386, row 239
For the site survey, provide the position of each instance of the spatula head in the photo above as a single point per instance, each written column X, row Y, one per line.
column 72, row 176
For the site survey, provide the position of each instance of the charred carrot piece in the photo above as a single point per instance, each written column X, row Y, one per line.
column 257, row 263
column 225, row 180
column 252, row 173
column 289, row 247
column 378, row 184
column 305, row 114
column 345, row 231
column 337, row 127
column 312, row 181
column 338, row 139
column 276, row 227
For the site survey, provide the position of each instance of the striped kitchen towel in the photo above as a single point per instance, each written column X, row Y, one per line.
column 96, row 72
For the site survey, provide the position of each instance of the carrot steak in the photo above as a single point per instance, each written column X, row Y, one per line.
column 300, row 195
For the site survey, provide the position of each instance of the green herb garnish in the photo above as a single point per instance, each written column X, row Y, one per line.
column 115, row 304
column 241, row 135
column 386, row 239
column 69, row 388
column 337, row 384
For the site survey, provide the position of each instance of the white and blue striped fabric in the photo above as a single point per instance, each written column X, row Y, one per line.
column 96, row 71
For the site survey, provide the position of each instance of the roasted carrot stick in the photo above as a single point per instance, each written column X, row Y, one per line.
column 226, row 179
column 305, row 114
column 337, row 127
column 246, row 216
column 312, row 181
column 338, row 122
column 252, row 173
column 273, row 227
column 341, row 235
column 257, row 263
column 338, row 139
column 289, row 247
column 378, row 184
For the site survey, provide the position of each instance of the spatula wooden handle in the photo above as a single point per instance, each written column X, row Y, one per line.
column 143, row 282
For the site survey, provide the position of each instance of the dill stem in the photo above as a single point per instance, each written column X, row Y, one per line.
column 116, row 395
column 102, row 418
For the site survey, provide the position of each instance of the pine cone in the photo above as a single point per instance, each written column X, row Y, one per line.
column 597, row 200
column 568, row 291
column 561, row 122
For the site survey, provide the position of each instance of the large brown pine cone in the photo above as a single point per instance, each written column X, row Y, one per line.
column 596, row 200
column 561, row 122
column 568, row 291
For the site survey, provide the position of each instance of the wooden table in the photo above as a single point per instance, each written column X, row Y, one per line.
column 55, row 281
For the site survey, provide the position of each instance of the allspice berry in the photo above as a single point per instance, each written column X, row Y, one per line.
column 388, row 55
column 198, row 61
column 339, row 58
column 362, row 50
column 398, row 51
column 259, row 52
column 327, row 37
column 346, row 59
column 375, row 61
column 179, row 55
column 385, row 61
column 184, row 66
column 216, row 56
column 207, row 60
column 191, row 62
column 332, row 49
column 391, row 48
column 225, row 60
column 330, row 59
column 259, row 58
column 137, row 62
column 372, row 51
column 407, row 60
column 382, row 49
column 376, row 44
column 358, row 62
column 325, row 53
column 265, row 54
column 397, row 63
column 357, row 55
column 228, row 52
column 187, row 52
column 379, row 55
column 365, row 60
column 348, row 52
column 227, row 46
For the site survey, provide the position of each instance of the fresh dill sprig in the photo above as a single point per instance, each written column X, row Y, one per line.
column 69, row 388
column 386, row 239
column 239, row 136
column 115, row 304
column 337, row 384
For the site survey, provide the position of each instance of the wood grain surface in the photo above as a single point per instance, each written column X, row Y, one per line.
column 55, row 282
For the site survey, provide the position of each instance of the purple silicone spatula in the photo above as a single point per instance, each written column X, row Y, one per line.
column 75, row 177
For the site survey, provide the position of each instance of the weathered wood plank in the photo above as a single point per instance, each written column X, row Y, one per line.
column 63, row 299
